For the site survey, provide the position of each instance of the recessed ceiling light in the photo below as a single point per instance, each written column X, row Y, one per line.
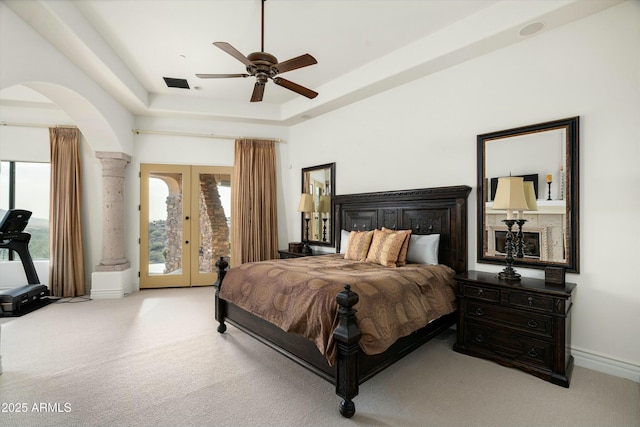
column 530, row 29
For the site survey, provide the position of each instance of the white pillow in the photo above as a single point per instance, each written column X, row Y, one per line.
column 423, row 249
column 344, row 241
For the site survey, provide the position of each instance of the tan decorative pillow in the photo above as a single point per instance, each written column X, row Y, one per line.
column 402, row 256
column 385, row 248
column 358, row 246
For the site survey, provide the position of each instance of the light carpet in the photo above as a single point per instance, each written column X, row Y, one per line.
column 154, row 358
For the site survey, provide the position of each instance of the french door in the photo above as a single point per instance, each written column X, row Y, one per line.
column 184, row 223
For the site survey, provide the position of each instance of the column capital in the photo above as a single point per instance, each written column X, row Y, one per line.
column 113, row 163
column 113, row 155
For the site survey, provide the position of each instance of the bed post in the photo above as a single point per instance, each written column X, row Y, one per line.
column 347, row 335
column 221, row 305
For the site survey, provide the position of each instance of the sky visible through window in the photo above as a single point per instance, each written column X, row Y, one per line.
column 32, row 188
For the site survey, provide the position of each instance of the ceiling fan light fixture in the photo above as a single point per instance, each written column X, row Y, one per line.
column 265, row 66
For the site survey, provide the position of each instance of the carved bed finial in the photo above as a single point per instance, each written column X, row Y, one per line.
column 222, row 265
column 347, row 336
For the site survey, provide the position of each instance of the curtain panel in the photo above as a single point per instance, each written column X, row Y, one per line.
column 66, row 267
column 254, row 235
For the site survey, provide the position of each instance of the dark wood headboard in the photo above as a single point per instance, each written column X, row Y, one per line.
column 441, row 210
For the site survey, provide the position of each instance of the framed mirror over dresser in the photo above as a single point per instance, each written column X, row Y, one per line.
column 547, row 155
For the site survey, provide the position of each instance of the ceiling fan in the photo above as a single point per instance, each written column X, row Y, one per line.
column 265, row 66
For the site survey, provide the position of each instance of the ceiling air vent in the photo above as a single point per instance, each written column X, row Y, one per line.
column 179, row 83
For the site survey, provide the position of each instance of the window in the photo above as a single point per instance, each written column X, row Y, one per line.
column 25, row 185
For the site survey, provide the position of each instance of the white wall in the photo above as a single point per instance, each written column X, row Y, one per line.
column 424, row 134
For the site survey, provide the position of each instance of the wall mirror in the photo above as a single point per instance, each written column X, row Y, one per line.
column 546, row 154
column 320, row 182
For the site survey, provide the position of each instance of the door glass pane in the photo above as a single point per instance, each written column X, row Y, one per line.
column 214, row 215
column 165, row 223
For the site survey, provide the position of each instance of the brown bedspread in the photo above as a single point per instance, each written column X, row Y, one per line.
column 299, row 296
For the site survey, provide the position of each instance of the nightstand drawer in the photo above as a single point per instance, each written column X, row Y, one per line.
column 512, row 346
column 480, row 292
column 521, row 299
column 523, row 320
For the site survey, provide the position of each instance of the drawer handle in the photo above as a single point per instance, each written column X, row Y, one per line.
column 480, row 292
column 532, row 323
column 532, row 352
column 530, row 299
column 479, row 312
column 479, row 338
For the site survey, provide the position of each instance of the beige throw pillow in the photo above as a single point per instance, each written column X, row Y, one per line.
column 358, row 246
column 402, row 256
column 385, row 248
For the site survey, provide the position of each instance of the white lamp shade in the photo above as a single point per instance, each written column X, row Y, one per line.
column 325, row 204
column 530, row 196
column 306, row 203
column 510, row 195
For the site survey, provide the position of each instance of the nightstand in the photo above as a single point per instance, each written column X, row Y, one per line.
column 287, row 254
column 522, row 324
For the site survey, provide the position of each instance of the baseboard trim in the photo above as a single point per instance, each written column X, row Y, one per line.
column 607, row 365
column 111, row 284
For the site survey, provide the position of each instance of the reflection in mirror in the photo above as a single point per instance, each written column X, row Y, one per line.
column 319, row 181
column 546, row 156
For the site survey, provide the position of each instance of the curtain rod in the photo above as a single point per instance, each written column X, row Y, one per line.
column 35, row 125
column 201, row 135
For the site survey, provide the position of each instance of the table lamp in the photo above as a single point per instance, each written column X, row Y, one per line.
column 510, row 196
column 306, row 206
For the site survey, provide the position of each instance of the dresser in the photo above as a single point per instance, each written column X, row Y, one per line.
column 522, row 324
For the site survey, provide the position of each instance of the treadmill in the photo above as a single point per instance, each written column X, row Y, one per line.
column 13, row 237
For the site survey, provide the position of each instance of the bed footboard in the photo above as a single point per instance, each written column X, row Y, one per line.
column 346, row 375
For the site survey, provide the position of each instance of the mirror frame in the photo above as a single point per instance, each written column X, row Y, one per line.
column 571, row 226
column 330, row 234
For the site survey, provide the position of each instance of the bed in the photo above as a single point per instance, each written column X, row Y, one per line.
column 343, row 362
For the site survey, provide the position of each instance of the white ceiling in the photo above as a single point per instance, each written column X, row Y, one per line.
column 362, row 47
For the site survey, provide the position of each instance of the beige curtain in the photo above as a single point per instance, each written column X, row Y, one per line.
column 66, row 269
column 254, row 235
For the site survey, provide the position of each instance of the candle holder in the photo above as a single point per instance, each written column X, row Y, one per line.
column 520, row 239
column 549, row 193
column 324, row 229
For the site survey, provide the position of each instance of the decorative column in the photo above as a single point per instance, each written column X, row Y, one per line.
column 113, row 166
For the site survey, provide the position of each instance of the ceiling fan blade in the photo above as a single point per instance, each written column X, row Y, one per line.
column 221, row 76
column 234, row 52
column 258, row 92
column 295, row 87
column 295, row 63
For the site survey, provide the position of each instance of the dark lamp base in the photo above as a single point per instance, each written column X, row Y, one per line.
column 509, row 275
